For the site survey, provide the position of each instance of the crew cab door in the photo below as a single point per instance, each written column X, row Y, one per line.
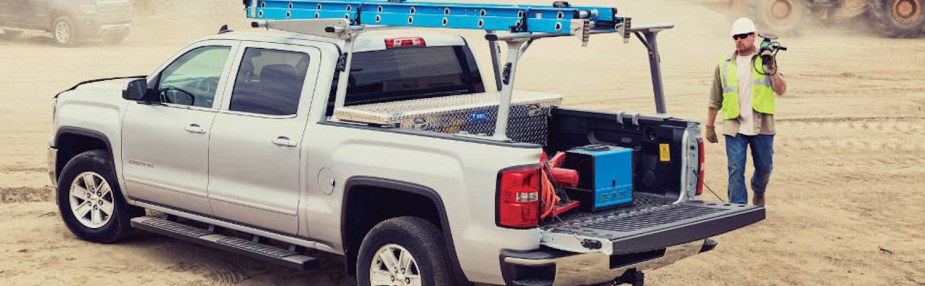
column 37, row 13
column 254, row 152
column 166, row 144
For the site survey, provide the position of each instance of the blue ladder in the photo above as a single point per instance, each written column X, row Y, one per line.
column 559, row 18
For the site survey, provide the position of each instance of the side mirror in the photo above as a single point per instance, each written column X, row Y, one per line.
column 135, row 90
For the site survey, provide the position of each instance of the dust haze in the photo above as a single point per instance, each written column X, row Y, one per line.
column 844, row 202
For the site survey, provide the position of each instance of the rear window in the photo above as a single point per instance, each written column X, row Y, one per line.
column 410, row 73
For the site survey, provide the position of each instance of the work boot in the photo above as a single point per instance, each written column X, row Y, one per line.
column 758, row 200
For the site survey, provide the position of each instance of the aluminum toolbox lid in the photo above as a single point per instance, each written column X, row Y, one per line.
column 396, row 111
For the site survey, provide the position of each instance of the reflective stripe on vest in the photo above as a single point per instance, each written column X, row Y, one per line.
column 762, row 92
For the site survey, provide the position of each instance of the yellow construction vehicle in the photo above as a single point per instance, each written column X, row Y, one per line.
column 893, row 18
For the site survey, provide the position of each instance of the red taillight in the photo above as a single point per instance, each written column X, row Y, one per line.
column 700, row 176
column 519, row 197
column 405, row 42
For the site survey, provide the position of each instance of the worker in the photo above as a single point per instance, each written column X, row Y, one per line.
column 745, row 95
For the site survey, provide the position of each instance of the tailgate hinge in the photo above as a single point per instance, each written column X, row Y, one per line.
column 576, row 243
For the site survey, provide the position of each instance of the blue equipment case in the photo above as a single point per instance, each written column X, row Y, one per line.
column 605, row 176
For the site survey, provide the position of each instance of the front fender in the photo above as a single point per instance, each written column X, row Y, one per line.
column 94, row 112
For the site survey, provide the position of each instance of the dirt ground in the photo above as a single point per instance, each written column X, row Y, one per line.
column 845, row 202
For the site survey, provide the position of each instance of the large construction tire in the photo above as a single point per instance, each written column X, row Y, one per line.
column 897, row 18
column 781, row 17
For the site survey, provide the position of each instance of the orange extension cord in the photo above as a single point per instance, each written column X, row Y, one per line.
column 548, row 195
column 548, row 191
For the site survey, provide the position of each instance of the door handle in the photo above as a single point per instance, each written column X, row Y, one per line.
column 283, row 141
column 195, row 128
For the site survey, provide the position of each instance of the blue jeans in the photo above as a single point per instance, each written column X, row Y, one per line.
column 762, row 154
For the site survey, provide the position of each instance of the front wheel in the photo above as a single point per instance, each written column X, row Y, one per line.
column 90, row 200
column 64, row 32
column 403, row 251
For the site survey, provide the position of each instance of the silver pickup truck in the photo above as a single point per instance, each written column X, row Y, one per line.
column 234, row 141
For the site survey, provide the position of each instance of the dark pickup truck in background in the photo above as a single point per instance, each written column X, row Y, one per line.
column 68, row 21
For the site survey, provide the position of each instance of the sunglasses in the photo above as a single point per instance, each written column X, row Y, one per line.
column 741, row 36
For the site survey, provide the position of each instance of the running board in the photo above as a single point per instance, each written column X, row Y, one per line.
column 227, row 243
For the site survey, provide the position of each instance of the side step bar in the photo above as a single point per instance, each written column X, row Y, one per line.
column 227, row 243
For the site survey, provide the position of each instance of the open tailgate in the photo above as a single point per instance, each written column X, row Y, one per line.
column 649, row 229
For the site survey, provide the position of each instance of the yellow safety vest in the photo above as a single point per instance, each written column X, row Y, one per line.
column 762, row 93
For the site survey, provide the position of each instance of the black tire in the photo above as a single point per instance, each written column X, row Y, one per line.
column 114, row 39
column 118, row 224
column 419, row 237
column 9, row 34
column 897, row 18
column 780, row 17
column 68, row 36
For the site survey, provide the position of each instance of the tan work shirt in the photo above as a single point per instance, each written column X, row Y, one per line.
column 763, row 123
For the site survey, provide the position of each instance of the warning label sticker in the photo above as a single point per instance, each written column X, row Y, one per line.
column 664, row 152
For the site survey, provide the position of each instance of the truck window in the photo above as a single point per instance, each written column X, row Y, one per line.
column 410, row 73
column 193, row 78
column 269, row 82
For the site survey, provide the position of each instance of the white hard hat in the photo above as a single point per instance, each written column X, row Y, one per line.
column 743, row 26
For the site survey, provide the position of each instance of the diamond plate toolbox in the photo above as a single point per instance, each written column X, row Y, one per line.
column 461, row 114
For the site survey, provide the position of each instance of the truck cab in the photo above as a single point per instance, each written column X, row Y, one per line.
column 69, row 22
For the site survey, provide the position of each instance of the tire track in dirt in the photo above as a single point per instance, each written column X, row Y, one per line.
column 21, row 169
column 859, row 91
column 830, row 171
column 225, row 273
column 857, row 145
column 848, row 118
column 859, row 134
column 907, row 125
column 25, row 195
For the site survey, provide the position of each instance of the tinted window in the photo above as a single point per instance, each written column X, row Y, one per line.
column 193, row 78
column 410, row 73
column 269, row 82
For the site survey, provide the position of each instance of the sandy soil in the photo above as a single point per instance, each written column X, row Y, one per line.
column 844, row 205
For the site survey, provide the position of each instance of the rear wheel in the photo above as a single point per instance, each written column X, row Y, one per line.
column 90, row 200
column 781, row 17
column 897, row 18
column 403, row 251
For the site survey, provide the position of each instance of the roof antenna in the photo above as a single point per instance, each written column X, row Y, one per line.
column 224, row 29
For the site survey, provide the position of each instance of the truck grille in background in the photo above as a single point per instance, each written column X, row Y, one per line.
column 115, row 11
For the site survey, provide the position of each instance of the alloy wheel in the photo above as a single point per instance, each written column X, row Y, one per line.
column 393, row 265
column 92, row 201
